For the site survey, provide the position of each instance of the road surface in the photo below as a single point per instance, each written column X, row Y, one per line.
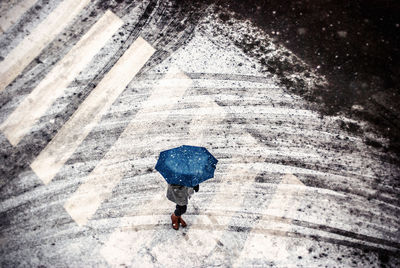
column 92, row 91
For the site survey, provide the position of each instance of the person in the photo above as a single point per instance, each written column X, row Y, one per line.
column 180, row 195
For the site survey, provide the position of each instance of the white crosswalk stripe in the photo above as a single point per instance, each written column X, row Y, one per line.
column 125, row 242
column 55, row 83
column 212, row 115
column 116, row 211
column 31, row 46
column 110, row 170
column 67, row 139
column 284, row 203
column 229, row 196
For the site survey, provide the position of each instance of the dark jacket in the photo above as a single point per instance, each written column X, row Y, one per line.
column 179, row 194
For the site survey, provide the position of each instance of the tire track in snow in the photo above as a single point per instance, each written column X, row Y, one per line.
column 355, row 214
column 122, row 245
column 55, row 83
column 7, row 19
column 20, row 57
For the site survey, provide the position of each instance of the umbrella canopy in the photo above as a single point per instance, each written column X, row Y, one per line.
column 186, row 165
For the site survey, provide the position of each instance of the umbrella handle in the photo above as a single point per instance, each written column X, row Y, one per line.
column 196, row 188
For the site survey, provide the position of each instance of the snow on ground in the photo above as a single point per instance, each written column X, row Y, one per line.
column 291, row 188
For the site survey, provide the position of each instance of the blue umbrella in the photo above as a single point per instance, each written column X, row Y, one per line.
column 186, row 165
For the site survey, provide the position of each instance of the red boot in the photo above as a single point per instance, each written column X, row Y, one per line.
column 182, row 222
column 175, row 221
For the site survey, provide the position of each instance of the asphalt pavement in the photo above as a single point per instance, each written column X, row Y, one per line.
column 297, row 101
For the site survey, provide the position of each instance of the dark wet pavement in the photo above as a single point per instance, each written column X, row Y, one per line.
column 355, row 44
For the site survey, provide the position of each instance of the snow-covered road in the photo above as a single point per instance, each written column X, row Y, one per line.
column 90, row 97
